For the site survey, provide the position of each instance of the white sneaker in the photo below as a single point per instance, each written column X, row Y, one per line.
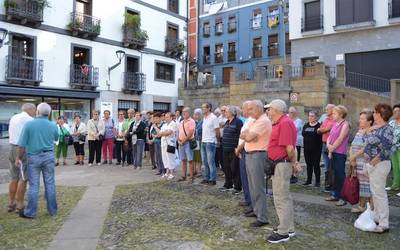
column 90, row 164
column 164, row 176
column 388, row 188
column 170, row 177
column 398, row 194
column 99, row 164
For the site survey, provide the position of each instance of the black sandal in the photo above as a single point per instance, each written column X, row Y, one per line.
column 11, row 208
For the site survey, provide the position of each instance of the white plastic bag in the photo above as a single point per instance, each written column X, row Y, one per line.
column 365, row 221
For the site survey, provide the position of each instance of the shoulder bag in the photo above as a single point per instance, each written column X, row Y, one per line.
column 101, row 137
column 192, row 142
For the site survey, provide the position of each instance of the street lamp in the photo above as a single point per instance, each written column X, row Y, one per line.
column 3, row 35
column 120, row 55
column 282, row 5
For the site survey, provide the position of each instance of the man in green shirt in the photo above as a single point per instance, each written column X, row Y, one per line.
column 125, row 128
column 37, row 139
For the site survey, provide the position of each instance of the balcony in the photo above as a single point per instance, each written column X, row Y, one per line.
column 84, row 25
column 219, row 29
column 134, row 82
column 219, row 57
column 84, row 77
column 174, row 47
column 231, row 26
column 206, row 31
column 231, row 56
column 273, row 21
column 312, row 23
column 256, row 22
column 134, row 38
column 27, row 71
column 206, row 59
column 27, row 12
column 257, row 52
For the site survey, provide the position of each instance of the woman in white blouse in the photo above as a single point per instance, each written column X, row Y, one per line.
column 79, row 132
column 168, row 133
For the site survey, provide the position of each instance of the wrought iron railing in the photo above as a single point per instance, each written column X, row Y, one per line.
column 231, row 56
column 368, row 82
column 206, row 31
column 84, row 23
column 219, row 57
column 24, row 69
column 219, row 28
column 245, row 75
column 135, row 37
column 231, row 26
column 206, row 59
column 312, row 23
column 174, row 47
column 84, row 75
column 134, row 81
column 394, row 9
column 257, row 52
column 31, row 10
column 256, row 22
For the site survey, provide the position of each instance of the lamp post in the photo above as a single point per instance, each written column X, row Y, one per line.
column 282, row 6
column 120, row 55
column 3, row 35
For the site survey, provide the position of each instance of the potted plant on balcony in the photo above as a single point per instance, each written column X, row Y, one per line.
column 180, row 48
column 132, row 32
column 96, row 28
column 9, row 4
column 75, row 26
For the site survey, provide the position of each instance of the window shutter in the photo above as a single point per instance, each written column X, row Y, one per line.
column 344, row 12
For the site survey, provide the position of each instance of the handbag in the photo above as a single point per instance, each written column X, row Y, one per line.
column 82, row 138
column 170, row 149
column 192, row 142
column 351, row 190
column 101, row 137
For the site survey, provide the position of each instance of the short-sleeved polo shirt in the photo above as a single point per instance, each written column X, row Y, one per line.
column 190, row 126
column 210, row 124
column 261, row 127
column 283, row 134
column 231, row 134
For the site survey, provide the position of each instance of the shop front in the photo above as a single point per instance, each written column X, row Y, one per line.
column 63, row 102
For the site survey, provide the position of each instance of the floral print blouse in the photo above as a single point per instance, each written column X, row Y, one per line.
column 379, row 143
column 396, row 134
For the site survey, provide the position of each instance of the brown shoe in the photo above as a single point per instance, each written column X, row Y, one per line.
column 182, row 179
column 243, row 204
column 11, row 208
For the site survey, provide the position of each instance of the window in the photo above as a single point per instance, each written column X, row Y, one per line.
column 273, row 45
column 219, row 26
column 81, row 56
column 22, row 47
column 273, row 16
column 124, row 105
column 206, row 55
column 257, row 48
column 172, row 32
column 312, row 16
column 394, row 8
column 232, row 24
column 257, row 18
column 353, row 11
column 219, row 53
column 231, row 52
column 206, row 29
column 132, row 64
column 165, row 72
column 84, row 7
column 173, row 6
column 288, row 44
column 162, row 107
column 309, row 66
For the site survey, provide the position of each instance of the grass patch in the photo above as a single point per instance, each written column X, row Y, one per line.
column 18, row 233
column 170, row 215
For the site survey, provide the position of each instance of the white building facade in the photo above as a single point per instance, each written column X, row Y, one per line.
column 62, row 53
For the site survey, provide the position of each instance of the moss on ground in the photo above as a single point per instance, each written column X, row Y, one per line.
column 170, row 215
column 18, row 233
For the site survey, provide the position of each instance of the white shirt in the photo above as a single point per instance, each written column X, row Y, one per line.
column 17, row 123
column 222, row 120
column 244, row 127
column 171, row 139
column 210, row 123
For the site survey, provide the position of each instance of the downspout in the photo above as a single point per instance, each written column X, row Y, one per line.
column 187, row 45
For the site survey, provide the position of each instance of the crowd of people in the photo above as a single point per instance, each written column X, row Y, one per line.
column 252, row 145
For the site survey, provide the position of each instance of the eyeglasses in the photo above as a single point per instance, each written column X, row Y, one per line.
column 121, row 114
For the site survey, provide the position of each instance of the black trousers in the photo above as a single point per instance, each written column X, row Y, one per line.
column 313, row 158
column 95, row 149
column 118, row 150
column 231, row 170
column 298, row 152
column 127, row 154
column 219, row 158
column 151, row 150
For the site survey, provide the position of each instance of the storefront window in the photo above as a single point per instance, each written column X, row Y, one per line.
column 70, row 107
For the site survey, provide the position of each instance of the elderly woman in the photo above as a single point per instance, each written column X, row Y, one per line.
column 377, row 152
column 337, row 151
column 357, row 160
column 168, row 145
column 230, row 140
column 95, row 128
column 78, row 132
column 395, row 124
column 312, row 148
column 197, row 135
column 62, row 143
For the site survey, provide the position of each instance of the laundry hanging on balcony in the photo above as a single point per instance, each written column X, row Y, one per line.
column 85, row 70
column 273, row 19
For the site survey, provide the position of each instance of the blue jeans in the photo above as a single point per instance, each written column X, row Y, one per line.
column 243, row 178
column 41, row 162
column 339, row 165
column 137, row 151
column 325, row 156
column 208, row 158
column 185, row 152
column 158, row 157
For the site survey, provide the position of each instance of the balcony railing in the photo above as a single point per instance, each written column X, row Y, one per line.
column 206, row 31
column 134, row 38
column 84, row 25
column 206, row 59
column 84, row 76
column 368, row 82
column 257, row 52
column 273, row 49
column 231, row 56
column 24, row 70
column 394, row 9
column 25, row 11
column 256, row 22
column 219, row 29
column 231, row 26
column 174, row 47
column 219, row 57
column 312, row 23
column 134, row 82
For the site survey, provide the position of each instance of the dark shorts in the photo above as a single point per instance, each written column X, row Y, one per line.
column 79, row 148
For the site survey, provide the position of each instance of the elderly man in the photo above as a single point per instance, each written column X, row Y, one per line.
column 220, row 113
column 324, row 130
column 282, row 156
column 230, row 140
column 186, row 129
column 17, row 185
column 37, row 139
column 209, row 139
column 298, row 123
column 128, row 138
column 256, row 139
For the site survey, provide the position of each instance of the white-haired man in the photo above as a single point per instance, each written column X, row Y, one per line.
column 37, row 139
column 282, row 158
column 17, row 185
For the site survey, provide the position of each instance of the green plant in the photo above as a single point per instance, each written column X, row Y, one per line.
column 132, row 21
column 43, row 3
column 96, row 28
column 75, row 24
column 10, row 4
column 141, row 35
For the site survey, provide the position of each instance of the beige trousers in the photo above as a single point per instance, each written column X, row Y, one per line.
column 282, row 198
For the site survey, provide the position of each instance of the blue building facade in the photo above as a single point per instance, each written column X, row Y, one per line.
column 241, row 38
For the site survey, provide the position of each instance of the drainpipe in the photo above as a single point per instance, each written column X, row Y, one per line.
column 187, row 45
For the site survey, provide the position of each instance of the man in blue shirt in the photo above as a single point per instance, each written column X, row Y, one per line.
column 37, row 139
